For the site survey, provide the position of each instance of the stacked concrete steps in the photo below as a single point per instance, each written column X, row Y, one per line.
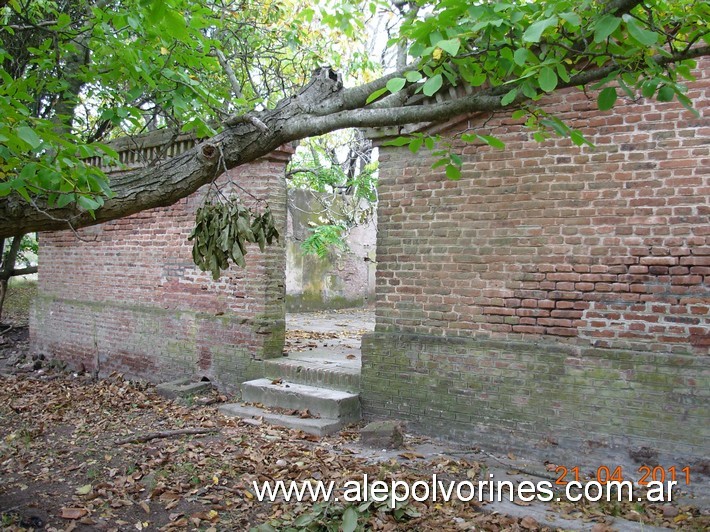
column 343, row 376
column 332, row 409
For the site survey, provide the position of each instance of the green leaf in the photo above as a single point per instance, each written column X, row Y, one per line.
column 87, row 203
column 350, row 517
column 520, row 56
column 29, row 136
column 175, row 23
column 5, row 188
column 399, row 141
column 688, row 104
column 452, row 172
column 643, row 36
column 65, row 199
column 547, row 79
column 493, row 142
column 605, row 26
column 156, row 14
column 665, row 94
column 396, row 84
column 450, row 46
column 28, row 172
column 413, row 76
column 685, row 71
column 578, row 138
column 648, row 89
column 606, row 98
column 572, row 18
column 535, row 31
column 432, row 85
column 509, row 97
column 372, row 97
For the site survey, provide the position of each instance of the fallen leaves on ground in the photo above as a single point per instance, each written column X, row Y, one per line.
column 300, row 340
column 60, row 466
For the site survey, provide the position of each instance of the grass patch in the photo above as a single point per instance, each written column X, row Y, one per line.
column 20, row 294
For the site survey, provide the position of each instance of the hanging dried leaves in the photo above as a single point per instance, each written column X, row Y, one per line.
column 222, row 232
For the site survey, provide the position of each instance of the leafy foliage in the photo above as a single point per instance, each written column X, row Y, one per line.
column 525, row 50
column 340, row 169
column 324, row 238
column 77, row 72
column 328, row 517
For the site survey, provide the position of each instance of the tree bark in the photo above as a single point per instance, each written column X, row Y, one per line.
column 3, row 293
column 323, row 105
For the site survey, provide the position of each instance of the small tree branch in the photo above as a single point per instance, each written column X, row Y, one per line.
column 24, row 271
column 165, row 434
column 34, row 26
column 233, row 81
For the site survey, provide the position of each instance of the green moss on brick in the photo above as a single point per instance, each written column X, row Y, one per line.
column 454, row 385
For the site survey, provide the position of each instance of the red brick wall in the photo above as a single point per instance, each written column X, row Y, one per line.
column 128, row 297
column 607, row 245
column 555, row 292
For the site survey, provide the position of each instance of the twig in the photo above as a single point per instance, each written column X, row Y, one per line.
column 6, row 330
column 165, row 434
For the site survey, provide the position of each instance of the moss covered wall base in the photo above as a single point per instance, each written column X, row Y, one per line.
column 557, row 400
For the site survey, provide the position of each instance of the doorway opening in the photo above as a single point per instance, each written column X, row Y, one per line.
column 331, row 233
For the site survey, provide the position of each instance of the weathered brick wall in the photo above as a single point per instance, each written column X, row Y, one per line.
column 556, row 292
column 343, row 278
column 128, row 297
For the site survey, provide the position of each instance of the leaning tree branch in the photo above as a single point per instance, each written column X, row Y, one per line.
column 322, row 106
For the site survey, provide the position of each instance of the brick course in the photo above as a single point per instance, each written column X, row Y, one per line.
column 601, row 251
column 128, row 298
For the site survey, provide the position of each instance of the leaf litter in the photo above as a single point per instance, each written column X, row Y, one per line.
column 61, row 468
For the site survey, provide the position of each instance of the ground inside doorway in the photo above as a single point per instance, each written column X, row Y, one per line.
column 332, row 337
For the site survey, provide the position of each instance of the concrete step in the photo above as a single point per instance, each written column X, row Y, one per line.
column 338, row 375
column 317, row 426
column 325, row 403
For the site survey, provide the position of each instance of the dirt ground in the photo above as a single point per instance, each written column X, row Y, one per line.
column 63, row 466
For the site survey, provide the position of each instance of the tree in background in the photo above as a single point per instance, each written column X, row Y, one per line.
column 340, row 170
column 247, row 75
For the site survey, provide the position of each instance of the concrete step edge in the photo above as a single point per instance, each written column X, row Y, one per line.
column 316, row 426
column 323, row 402
column 337, row 378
